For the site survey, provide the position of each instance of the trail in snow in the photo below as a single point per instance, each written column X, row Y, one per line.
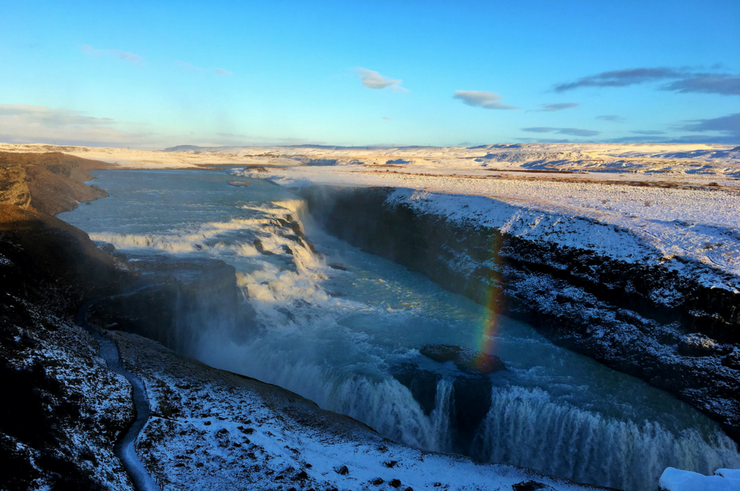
column 124, row 449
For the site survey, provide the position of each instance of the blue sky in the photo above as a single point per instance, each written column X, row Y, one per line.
column 155, row 74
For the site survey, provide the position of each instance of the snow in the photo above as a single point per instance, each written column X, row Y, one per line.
column 682, row 219
column 728, row 473
column 680, row 480
column 679, row 202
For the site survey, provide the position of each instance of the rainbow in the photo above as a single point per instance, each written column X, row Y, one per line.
column 489, row 327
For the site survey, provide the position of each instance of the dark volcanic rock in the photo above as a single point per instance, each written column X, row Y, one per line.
column 698, row 345
column 421, row 383
column 179, row 299
column 62, row 410
column 465, row 359
column 470, row 397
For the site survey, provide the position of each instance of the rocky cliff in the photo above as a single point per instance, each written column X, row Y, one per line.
column 177, row 301
column 646, row 318
column 47, row 182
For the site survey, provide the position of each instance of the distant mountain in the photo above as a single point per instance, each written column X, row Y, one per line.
column 183, row 148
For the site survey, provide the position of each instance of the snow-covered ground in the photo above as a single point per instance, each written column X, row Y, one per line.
column 703, row 160
column 675, row 205
column 215, row 430
column 674, row 216
column 680, row 201
column 680, row 480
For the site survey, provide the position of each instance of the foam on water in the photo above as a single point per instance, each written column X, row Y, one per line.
column 338, row 335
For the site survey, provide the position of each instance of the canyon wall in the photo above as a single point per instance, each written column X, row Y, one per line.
column 646, row 318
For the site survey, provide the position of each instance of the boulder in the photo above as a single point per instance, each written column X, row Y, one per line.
column 465, row 359
column 471, row 398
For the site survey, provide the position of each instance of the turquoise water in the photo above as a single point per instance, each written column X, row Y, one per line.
column 337, row 327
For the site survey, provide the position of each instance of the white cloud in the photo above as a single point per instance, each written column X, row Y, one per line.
column 373, row 80
column 21, row 123
column 221, row 71
column 486, row 100
column 130, row 57
column 611, row 117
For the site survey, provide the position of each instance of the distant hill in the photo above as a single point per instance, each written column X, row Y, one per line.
column 227, row 148
column 183, row 148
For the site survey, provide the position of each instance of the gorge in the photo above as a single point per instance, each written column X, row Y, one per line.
column 372, row 340
column 470, row 340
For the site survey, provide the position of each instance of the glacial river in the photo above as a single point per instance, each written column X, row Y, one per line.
column 345, row 329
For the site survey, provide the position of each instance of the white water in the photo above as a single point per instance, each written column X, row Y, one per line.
column 338, row 336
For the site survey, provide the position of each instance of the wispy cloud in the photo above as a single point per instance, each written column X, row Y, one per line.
column 543, row 140
column 728, row 125
column 188, row 67
column 374, row 80
column 221, row 71
column 719, row 83
column 21, row 123
column 123, row 55
column 562, row 131
column 611, row 117
column 621, row 78
column 50, row 117
column 557, row 106
column 387, row 118
column 682, row 80
column 486, row 100
column 648, row 132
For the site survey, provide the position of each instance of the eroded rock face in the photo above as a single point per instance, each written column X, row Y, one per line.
column 179, row 299
column 643, row 319
column 48, row 182
column 13, row 187
column 466, row 360
column 471, row 398
column 471, row 387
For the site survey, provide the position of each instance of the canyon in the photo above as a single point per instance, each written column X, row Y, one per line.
column 659, row 301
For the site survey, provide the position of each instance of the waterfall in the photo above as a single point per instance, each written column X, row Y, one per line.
column 527, row 427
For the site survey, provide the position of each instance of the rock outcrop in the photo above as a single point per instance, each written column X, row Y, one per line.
column 47, row 182
column 178, row 300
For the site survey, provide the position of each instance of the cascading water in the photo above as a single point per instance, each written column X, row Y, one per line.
column 347, row 330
